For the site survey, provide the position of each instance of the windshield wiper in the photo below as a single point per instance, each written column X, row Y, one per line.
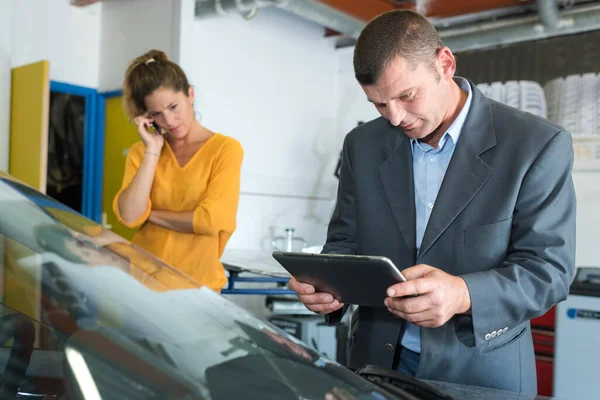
column 390, row 379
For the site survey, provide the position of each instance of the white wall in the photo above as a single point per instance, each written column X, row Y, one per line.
column 33, row 30
column 68, row 36
column 5, row 77
column 352, row 105
column 185, row 19
column 132, row 27
column 271, row 83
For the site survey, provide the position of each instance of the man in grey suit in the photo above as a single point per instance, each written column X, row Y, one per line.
column 472, row 199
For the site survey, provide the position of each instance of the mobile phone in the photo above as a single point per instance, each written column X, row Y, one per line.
column 154, row 128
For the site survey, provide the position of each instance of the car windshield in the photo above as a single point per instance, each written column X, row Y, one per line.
column 86, row 314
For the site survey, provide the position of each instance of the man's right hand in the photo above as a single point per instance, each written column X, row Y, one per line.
column 320, row 303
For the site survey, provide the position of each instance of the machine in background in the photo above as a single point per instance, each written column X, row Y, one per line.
column 577, row 338
column 311, row 329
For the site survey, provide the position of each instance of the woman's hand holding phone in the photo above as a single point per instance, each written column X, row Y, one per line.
column 153, row 141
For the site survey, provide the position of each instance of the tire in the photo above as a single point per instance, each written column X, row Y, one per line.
column 574, row 103
column 524, row 95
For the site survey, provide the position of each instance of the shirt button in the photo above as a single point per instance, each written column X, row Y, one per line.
column 432, row 159
column 430, row 205
column 389, row 347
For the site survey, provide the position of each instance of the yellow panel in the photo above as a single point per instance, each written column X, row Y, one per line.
column 119, row 136
column 75, row 221
column 30, row 98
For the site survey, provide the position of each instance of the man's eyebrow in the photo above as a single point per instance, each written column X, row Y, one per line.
column 403, row 93
column 406, row 91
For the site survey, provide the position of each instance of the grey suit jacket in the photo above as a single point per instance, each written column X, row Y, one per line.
column 504, row 220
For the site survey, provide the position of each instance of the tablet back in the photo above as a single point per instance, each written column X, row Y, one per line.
column 351, row 279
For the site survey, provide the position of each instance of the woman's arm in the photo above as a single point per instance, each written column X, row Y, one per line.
column 133, row 201
column 180, row 221
column 218, row 207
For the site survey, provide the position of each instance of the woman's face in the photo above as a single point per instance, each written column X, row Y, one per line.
column 172, row 111
column 91, row 255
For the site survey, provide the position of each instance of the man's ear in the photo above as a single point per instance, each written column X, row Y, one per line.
column 445, row 59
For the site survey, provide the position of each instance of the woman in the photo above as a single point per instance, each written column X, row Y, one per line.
column 182, row 181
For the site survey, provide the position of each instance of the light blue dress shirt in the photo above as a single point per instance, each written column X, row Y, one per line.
column 429, row 167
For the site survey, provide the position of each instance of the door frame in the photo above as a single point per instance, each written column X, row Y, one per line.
column 90, row 153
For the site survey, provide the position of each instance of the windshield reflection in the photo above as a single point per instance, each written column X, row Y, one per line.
column 95, row 246
column 141, row 328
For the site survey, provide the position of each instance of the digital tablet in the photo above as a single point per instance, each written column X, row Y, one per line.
column 351, row 279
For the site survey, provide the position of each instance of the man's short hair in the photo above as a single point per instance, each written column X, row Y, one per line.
column 402, row 33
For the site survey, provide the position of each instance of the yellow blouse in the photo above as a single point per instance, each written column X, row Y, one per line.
column 209, row 184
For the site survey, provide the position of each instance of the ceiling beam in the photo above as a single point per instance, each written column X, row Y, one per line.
column 520, row 29
column 364, row 10
column 445, row 8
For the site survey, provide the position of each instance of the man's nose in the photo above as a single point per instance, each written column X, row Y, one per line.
column 396, row 114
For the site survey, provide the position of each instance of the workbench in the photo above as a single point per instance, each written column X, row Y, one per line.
column 254, row 266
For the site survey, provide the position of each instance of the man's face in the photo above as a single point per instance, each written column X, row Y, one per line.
column 414, row 97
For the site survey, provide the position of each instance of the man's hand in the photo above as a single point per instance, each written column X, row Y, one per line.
column 321, row 303
column 440, row 296
column 297, row 349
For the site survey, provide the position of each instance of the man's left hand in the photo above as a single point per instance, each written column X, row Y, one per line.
column 439, row 296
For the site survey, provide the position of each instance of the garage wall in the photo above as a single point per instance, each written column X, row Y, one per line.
column 68, row 36
column 271, row 83
column 32, row 30
column 132, row 27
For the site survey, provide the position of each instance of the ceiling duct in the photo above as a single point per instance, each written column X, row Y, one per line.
column 311, row 10
column 325, row 15
column 462, row 32
column 548, row 12
column 547, row 22
column 246, row 8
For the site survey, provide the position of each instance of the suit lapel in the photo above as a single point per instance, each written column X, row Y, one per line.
column 397, row 178
column 466, row 173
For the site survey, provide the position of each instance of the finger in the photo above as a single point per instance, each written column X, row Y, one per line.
column 144, row 124
column 324, row 308
column 299, row 287
column 140, row 120
column 412, row 287
column 316, row 298
column 417, row 271
column 410, row 305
